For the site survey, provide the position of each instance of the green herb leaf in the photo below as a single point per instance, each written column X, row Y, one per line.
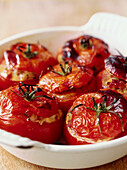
column 28, row 91
column 101, row 108
column 28, row 53
column 65, row 70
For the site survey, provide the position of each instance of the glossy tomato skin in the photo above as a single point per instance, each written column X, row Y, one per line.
column 39, row 119
column 114, row 76
column 116, row 65
column 67, row 88
column 81, row 127
column 66, row 99
column 5, row 83
column 24, row 62
column 36, row 64
column 85, row 50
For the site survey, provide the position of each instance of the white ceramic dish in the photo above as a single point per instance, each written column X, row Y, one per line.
column 112, row 29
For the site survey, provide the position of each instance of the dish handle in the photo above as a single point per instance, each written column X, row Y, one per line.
column 110, row 27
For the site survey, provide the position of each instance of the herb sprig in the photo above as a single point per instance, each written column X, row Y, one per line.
column 65, row 70
column 101, row 108
column 28, row 91
column 28, row 53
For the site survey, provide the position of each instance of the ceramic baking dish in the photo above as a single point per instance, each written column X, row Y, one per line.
column 112, row 29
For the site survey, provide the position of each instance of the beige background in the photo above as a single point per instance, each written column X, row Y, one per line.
column 21, row 15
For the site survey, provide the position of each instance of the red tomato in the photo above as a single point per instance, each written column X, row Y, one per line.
column 114, row 76
column 96, row 117
column 85, row 50
column 29, row 112
column 66, row 82
column 24, row 62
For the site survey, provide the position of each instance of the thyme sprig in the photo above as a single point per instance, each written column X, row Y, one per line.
column 65, row 70
column 101, row 108
column 28, row 91
column 28, row 53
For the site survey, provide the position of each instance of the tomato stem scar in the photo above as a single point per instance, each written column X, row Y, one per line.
column 65, row 70
column 85, row 43
column 101, row 108
column 25, row 92
column 28, row 53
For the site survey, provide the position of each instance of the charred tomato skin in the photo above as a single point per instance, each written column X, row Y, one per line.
column 16, row 66
column 39, row 119
column 85, row 50
column 67, row 88
column 114, row 76
column 81, row 126
column 117, row 65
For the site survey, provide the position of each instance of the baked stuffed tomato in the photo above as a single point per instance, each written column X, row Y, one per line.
column 85, row 50
column 23, row 62
column 114, row 76
column 96, row 117
column 67, row 81
column 27, row 111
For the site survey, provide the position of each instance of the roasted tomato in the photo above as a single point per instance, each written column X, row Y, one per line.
column 85, row 50
column 23, row 62
column 114, row 76
column 66, row 82
column 27, row 111
column 96, row 117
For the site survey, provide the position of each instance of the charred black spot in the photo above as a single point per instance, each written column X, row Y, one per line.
column 69, row 51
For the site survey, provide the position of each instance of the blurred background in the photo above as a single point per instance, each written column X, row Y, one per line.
column 21, row 15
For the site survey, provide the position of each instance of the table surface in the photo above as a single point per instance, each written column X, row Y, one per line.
column 21, row 15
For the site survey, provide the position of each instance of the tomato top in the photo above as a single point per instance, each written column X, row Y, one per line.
column 64, row 77
column 28, row 57
column 28, row 100
column 85, row 50
column 96, row 117
column 117, row 65
column 106, row 80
